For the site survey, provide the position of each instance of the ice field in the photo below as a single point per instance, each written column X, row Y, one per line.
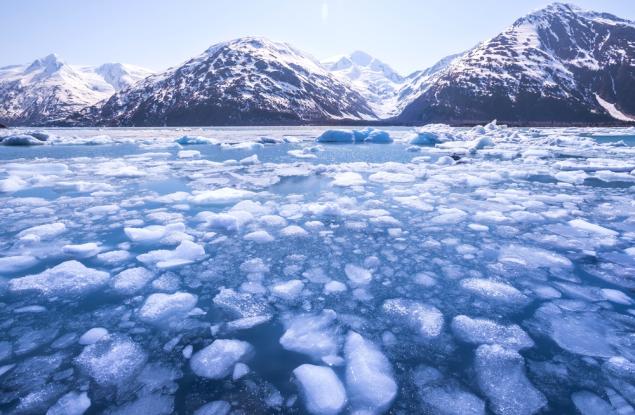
column 484, row 270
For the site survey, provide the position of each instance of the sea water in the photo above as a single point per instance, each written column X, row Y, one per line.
column 263, row 272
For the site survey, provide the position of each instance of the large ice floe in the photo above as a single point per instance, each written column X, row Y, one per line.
column 300, row 270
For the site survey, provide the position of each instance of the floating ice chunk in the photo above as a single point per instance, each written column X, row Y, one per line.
column 369, row 377
column 481, row 331
column 288, row 290
column 260, row 237
column 114, row 257
column 348, row 178
column 226, row 221
column 93, row 336
column 194, row 139
column 217, row 360
column 113, row 360
column 493, row 290
column 592, row 228
column 187, row 252
column 273, row 221
column 312, row 335
column 449, row 217
column 374, row 136
column 445, row 161
column 43, row 232
column 336, row 136
column 293, row 231
column 424, row 319
column 426, row 138
column 82, row 250
column 358, row 275
column 334, row 287
column 321, row 389
column 222, row 196
column 20, row 140
column 12, row 184
column 584, row 333
column 389, row 177
column 500, row 374
column 241, row 305
column 214, row 408
column 589, row 403
column 165, row 308
column 240, row 370
column 246, row 323
column 616, row 296
column 130, row 281
column 573, row 177
column 11, row 264
column 250, row 160
column 445, row 397
column 187, row 154
column 73, row 403
column 480, row 143
column 172, row 233
column 66, row 279
column 533, row 257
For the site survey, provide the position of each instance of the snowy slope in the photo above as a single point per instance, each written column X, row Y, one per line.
column 374, row 79
column 548, row 66
column 49, row 89
column 244, row 81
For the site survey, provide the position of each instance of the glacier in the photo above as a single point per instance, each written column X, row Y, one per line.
column 267, row 270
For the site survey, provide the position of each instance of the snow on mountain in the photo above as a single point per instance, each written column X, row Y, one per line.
column 375, row 80
column 49, row 89
column 248, row 80
column 548, row 66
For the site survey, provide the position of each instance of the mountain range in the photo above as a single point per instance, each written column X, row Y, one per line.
column 558, row 65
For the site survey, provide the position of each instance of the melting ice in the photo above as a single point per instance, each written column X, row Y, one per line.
column 296, row 270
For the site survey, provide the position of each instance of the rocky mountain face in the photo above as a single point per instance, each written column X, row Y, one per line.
column 49, row 89
column 244, row 81
column 560, row 64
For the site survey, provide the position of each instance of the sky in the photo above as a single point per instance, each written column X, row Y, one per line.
column 407, row 34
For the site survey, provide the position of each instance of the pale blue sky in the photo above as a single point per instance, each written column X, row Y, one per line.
column 407, row 34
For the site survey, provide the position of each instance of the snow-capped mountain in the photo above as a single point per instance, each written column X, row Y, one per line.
column 559, row 64
column 244, row 81
column 375, row 80
column 49, row 89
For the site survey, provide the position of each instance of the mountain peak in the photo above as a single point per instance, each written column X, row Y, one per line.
column 361, row 58
column 50, row 63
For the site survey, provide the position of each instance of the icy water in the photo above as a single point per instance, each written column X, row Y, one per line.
column 262, row 272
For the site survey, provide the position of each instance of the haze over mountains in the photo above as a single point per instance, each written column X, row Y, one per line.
column 558, row 65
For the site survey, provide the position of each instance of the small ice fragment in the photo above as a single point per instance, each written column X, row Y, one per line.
column 322, row 391
column 293, row 231
column 369, row 377
column 160, row 308
column 222, row 196
column 93, row 336
column 288, row 290
column 11, row 264
column 82, row 250
column 500, row 374
column 240, row 370
column 358, row 275
column 424, row 319
column 66, row 279
column 481, row 331
column 130, row 281
column 260, row 237
column 73, row 403
column 214, row 408
column 217, row 360
column 312, row 335
column 334, row 287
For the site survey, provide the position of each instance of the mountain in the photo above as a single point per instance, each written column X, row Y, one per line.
column 244, row 81
column 49, row 89
column 559, row 64
column 372, row 78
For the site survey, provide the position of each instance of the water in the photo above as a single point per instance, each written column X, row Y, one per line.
column 531, row 237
